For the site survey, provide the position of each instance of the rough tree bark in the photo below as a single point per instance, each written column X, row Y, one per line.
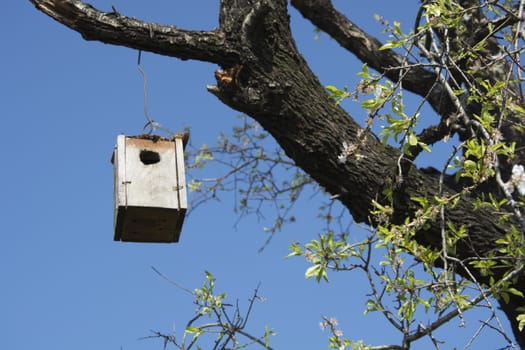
column 263, row 75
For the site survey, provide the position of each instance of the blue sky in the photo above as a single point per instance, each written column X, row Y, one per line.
column 65, row 283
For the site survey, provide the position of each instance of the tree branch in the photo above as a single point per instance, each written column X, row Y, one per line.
column 113, row 28
column 366, row 48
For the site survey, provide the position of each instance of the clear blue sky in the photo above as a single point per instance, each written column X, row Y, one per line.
column 65, row 284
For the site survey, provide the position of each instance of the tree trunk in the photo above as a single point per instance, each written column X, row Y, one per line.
column 264, row 75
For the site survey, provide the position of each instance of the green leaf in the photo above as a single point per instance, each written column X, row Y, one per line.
column 295, row 249
column 373, row 103
column 425, row 147
column 333, row 89
column 422, row 201
column 194, row 185
column 391, row 44
column 412, row 139
column 337, row 94
column 515, row 292
column 519, row 109
column 364, row 72
column 209, row 276
column 311, row 271
column 521, row 320
column 267, row 333
column 505, row 297
column 317, row 271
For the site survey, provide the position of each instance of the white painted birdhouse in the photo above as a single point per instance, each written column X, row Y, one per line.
column 150, row 188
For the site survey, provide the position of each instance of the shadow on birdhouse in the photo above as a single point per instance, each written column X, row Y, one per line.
column 150, row 188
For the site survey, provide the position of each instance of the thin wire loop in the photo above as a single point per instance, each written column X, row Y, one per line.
column 151, row 124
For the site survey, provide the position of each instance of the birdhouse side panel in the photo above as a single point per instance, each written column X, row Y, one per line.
column 119, row 173
column 181, row 173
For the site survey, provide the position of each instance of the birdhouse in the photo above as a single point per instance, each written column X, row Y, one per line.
column 150, row 188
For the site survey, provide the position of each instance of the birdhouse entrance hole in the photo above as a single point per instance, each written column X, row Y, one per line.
column 148, row 157
column 150, row 188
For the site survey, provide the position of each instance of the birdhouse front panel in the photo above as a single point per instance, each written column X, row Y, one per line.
column 150, row 189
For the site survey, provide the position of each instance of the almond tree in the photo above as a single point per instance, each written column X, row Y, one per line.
column 462, row 58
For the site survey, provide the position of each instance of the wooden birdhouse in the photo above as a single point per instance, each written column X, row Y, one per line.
column 150, row 188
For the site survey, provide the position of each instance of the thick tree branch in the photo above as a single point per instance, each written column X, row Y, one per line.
column 113, row 28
